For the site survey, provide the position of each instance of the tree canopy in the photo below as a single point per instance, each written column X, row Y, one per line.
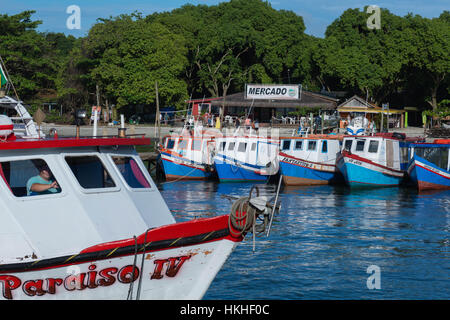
column 196, row 51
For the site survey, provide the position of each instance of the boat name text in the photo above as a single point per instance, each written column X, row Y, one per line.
column 89, row 280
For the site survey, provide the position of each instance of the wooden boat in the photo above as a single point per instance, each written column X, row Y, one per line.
column 246, row 157
column 101, row 229
column 375, row 161
column 429, row 166
column 188, row 155
column 310, row 160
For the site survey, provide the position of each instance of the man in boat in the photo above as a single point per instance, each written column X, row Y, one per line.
column 43, row 183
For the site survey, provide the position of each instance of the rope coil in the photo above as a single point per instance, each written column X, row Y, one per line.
column 243, row 217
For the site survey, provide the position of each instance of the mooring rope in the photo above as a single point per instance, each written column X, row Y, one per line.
column 243, row 216
column 130, row 288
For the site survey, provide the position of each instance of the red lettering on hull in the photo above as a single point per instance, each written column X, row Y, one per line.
column 88, row 280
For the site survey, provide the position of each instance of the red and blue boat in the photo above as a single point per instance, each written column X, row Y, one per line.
column 188, row 156
column 246, row 158
column 375, row 161
column 429, row 166
column 310, row 160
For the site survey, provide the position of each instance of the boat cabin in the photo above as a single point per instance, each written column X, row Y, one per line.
column 319, row 149
column 436, row 153
column 103, row 193
column 192, row 147
column 385, row 150
column 251, row 150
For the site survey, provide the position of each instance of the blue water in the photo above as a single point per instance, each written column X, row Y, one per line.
column 325, row 238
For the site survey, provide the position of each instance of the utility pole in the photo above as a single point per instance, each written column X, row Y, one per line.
column 97, row 94
column 157, row 120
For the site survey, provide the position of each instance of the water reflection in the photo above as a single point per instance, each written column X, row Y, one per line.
column 324, row 239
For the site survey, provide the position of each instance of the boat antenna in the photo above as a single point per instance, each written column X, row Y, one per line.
column 250, row 108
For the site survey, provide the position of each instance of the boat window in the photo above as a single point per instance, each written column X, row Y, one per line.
column 253, row 146
column 299, row 145
column 324, row 146
column 90, row 172
column 286, row 145
column 312, row 144
column 196, row 145
column 373, row 146
column 20, row 175
column 222, row 146
column 437, row 156
column 131, row 172
column 360, row 145
column 170, row 143
column 348, row 145
column 182, row 144
column 242, row 147
column 231, row 146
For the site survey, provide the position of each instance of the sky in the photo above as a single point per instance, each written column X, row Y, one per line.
column 317, row 14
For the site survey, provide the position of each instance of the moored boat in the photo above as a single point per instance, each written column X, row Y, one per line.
column 310, row 160
column 375, row 161
column 100, row 229
column 429, row 166
column 188, row 155
column 358, row 126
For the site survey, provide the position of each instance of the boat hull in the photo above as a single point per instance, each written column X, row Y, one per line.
column 300, row 172
column 359, row 172
column 427, row 176
column 176, row 264
column 181, row 169
column 228, row 172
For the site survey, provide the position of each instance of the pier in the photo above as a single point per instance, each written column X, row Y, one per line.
column 151, row 158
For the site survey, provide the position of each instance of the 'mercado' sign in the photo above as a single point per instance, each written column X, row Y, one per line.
column 272, row 91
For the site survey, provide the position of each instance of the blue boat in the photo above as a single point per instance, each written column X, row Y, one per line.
column 246, row 158
column 375, row 161
column 187, row 156
column 310, row 160
column 429, row 167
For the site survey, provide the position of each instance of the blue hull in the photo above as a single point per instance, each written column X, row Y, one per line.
column 427, row 179
column 298, row 175
column 229, row 172
column 359, row 176
column 179, row 171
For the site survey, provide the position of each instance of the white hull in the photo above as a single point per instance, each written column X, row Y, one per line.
column 176, row 274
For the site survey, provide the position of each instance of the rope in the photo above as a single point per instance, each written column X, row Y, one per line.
column 138, row 295
column 243, row 217
column 182, row 177
column 130, row 289
column 245, row 220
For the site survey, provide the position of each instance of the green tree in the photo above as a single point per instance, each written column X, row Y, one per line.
column 31, row 58
column 237, row 42
column 362, row 60
column 130, row 54
column 431, row 55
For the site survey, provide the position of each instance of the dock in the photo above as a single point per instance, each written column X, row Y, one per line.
column 152, row 160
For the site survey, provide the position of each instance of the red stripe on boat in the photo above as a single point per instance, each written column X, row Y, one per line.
column 294, row 158
column 171, row 231
column 72, row 142
column 356, row 157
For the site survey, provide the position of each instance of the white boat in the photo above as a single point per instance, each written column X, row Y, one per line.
column 189, row 154
column 23, row 123
column 375, row 161
column 310, row 160
column 358, row 126
column 102, row 230
column 246, row 157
